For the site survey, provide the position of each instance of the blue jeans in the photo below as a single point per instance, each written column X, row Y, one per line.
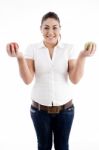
column 51, row 127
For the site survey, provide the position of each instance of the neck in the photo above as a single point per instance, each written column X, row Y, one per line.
column 50, row 46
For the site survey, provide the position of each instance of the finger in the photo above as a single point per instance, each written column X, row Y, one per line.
column 8, row 48
column 16, row 46
column 12, row 49
column 94, row 46
column 93, row 49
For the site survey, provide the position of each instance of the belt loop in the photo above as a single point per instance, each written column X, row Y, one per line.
column 39, row 107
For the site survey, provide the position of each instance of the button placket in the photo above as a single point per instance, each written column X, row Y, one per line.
column 53, row 88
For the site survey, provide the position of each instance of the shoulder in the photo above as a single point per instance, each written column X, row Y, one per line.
column 33, row 46
column 31, row 50
column 66, row 46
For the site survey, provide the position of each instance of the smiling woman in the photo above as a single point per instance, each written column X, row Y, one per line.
column 51, row 62
column 50, row 28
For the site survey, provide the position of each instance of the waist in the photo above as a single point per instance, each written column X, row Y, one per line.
column 52, row 109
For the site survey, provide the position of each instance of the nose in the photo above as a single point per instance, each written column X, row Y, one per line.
column 50, row 31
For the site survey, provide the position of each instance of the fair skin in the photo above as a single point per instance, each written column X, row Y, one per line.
column 50, row 30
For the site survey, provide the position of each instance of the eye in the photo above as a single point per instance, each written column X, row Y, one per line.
column 46, row 28
column 55, row 28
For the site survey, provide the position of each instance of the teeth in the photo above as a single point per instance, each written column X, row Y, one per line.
column 50, row 37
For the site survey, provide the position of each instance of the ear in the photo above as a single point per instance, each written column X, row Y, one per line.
column 60, row 27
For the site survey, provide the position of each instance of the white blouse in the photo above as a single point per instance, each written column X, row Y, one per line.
column 51, row 84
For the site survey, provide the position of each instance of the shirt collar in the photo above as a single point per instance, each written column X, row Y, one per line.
column 59, row 45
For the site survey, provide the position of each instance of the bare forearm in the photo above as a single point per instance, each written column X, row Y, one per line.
column 78, row 70
column 24, row 71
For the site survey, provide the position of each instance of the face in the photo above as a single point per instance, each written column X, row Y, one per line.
column 51, row 31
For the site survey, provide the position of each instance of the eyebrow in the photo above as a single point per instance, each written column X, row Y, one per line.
column 48, row 25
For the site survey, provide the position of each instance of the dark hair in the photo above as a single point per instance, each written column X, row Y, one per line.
column 50, row 15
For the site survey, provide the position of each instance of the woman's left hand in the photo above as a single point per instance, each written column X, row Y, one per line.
column 89, row 49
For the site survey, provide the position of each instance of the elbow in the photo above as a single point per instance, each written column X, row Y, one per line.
column 75, row 80
column 27, row 81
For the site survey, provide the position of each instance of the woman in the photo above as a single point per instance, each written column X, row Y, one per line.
column 51, row 62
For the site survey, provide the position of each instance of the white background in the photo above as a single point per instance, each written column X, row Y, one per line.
column 20, row 22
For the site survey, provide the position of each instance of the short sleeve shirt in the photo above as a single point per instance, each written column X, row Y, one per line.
column 51, row 84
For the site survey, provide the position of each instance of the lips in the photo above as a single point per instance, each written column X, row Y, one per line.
column 50, row 37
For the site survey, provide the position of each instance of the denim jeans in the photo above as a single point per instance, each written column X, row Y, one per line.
column 52, row 128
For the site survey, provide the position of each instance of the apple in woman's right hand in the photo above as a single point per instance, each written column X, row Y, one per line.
column 13, row 50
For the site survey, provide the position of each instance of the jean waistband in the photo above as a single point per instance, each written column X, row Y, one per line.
column 52, row 109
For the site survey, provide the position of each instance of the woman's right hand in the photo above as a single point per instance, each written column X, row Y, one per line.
column 13, row 50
